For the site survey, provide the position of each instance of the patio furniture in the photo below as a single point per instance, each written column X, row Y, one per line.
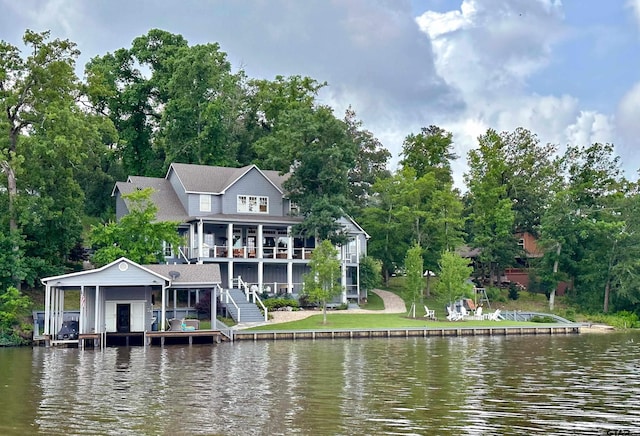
column 429, row 313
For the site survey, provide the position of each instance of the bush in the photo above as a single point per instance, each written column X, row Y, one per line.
column 542, row 319
column 620, row 320
column 277, row 303
column 514, row 291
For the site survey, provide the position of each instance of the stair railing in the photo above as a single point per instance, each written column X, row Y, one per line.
column 252, row 295
column 228, row 298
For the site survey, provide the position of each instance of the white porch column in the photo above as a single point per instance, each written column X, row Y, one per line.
column 358, row 281
column 200, row 240
column 259, row 255
column 163, row 311
column 230, row 274
column 289, row 246
column 192, row 240
column 289, row 277
column 175, row 302
column 83, row 303
column 214, row 308
column 343, row 281
column 96, row 322
column 260, row 275
column 47, row 310
column 230, row 242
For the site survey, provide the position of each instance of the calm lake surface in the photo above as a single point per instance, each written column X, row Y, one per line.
column 574, row 384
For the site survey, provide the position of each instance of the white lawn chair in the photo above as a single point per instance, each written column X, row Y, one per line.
column 429, row 313
column 495, row 316
column 463, row 312
column 478, row 314
column 452, row 315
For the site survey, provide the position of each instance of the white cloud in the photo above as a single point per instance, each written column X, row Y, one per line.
column 634, row 5
column 489, row 50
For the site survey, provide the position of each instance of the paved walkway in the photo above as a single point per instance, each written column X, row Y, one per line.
column 392, row 304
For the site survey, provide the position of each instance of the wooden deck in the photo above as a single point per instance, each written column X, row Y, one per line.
column 184, row 337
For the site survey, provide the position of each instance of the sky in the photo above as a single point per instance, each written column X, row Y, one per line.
column 569, row 71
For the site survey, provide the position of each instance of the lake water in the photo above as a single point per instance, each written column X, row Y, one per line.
column 573, row 384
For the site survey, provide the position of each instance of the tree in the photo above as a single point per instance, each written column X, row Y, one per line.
column 137, row 235
column 202, row 109
column 314, row 145
column 587, row 232
column 118, row 88
column 45, row 139
column 454, row 274
column 322, row 283
column 13, row 307
column 370, row 273
column 492, row 215
column 414, row 279
column 429, row 152
column 370, row 162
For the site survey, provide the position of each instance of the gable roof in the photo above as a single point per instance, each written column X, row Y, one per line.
column 175, row 276
column 164, row 197
column 201, row 179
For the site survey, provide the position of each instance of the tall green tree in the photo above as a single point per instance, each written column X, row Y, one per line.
column 492, row 215
column 137, row 236
column 430, row 151
column 322, row 282
column 370, row 162
column 587, row 227
column 46, row 139
column 314, row 145
column 134, row 99
column 414, row 280
column 202, row 110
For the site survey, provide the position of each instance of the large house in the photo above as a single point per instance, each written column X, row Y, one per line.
column 241, row 220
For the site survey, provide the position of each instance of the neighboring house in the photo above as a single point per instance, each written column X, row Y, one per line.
column 241, row 220
column 530, row 250
column 119, row 298
column 520, row 272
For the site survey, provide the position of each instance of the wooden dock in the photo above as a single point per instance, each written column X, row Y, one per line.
column 256, row 335
column 184, row 337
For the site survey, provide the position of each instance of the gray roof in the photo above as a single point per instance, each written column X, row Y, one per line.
column 215, row 180
column 164, row 197
column 189, row 275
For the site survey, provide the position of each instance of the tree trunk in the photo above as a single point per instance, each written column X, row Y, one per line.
column 552, row 295
column 607, row 289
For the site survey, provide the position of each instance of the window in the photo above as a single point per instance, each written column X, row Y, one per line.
column 205, row 203
column 253, row 204
column 293, row 208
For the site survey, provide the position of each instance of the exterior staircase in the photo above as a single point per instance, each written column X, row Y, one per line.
column 249, row 312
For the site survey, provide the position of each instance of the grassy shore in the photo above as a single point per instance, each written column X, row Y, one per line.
column 381, row 321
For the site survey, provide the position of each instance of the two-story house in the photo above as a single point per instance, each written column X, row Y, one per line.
column 241, row 219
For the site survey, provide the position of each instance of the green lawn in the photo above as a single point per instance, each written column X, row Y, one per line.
column 381, row 321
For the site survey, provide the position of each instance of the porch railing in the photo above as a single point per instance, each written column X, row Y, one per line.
column 244, row 252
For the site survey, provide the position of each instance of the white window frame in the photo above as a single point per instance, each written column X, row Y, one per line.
column 252, row 204
column 205, row 203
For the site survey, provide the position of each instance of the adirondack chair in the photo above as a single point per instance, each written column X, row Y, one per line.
column 453, row 315
column 429, row 313
column 495, row 316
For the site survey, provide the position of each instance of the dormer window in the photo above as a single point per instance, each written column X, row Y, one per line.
column 205, row 203
column 253, row 204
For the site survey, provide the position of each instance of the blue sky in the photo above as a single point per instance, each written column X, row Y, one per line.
column 567, row 70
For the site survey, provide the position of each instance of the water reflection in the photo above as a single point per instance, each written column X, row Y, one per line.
column 470, row 385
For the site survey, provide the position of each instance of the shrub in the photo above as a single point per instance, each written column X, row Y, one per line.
column 277, row 303
column 514, row 291
column 542, row 319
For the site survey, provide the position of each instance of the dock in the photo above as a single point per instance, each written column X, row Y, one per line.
column 256, row 335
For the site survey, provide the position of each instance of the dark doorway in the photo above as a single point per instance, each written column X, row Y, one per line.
column 123, row 318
